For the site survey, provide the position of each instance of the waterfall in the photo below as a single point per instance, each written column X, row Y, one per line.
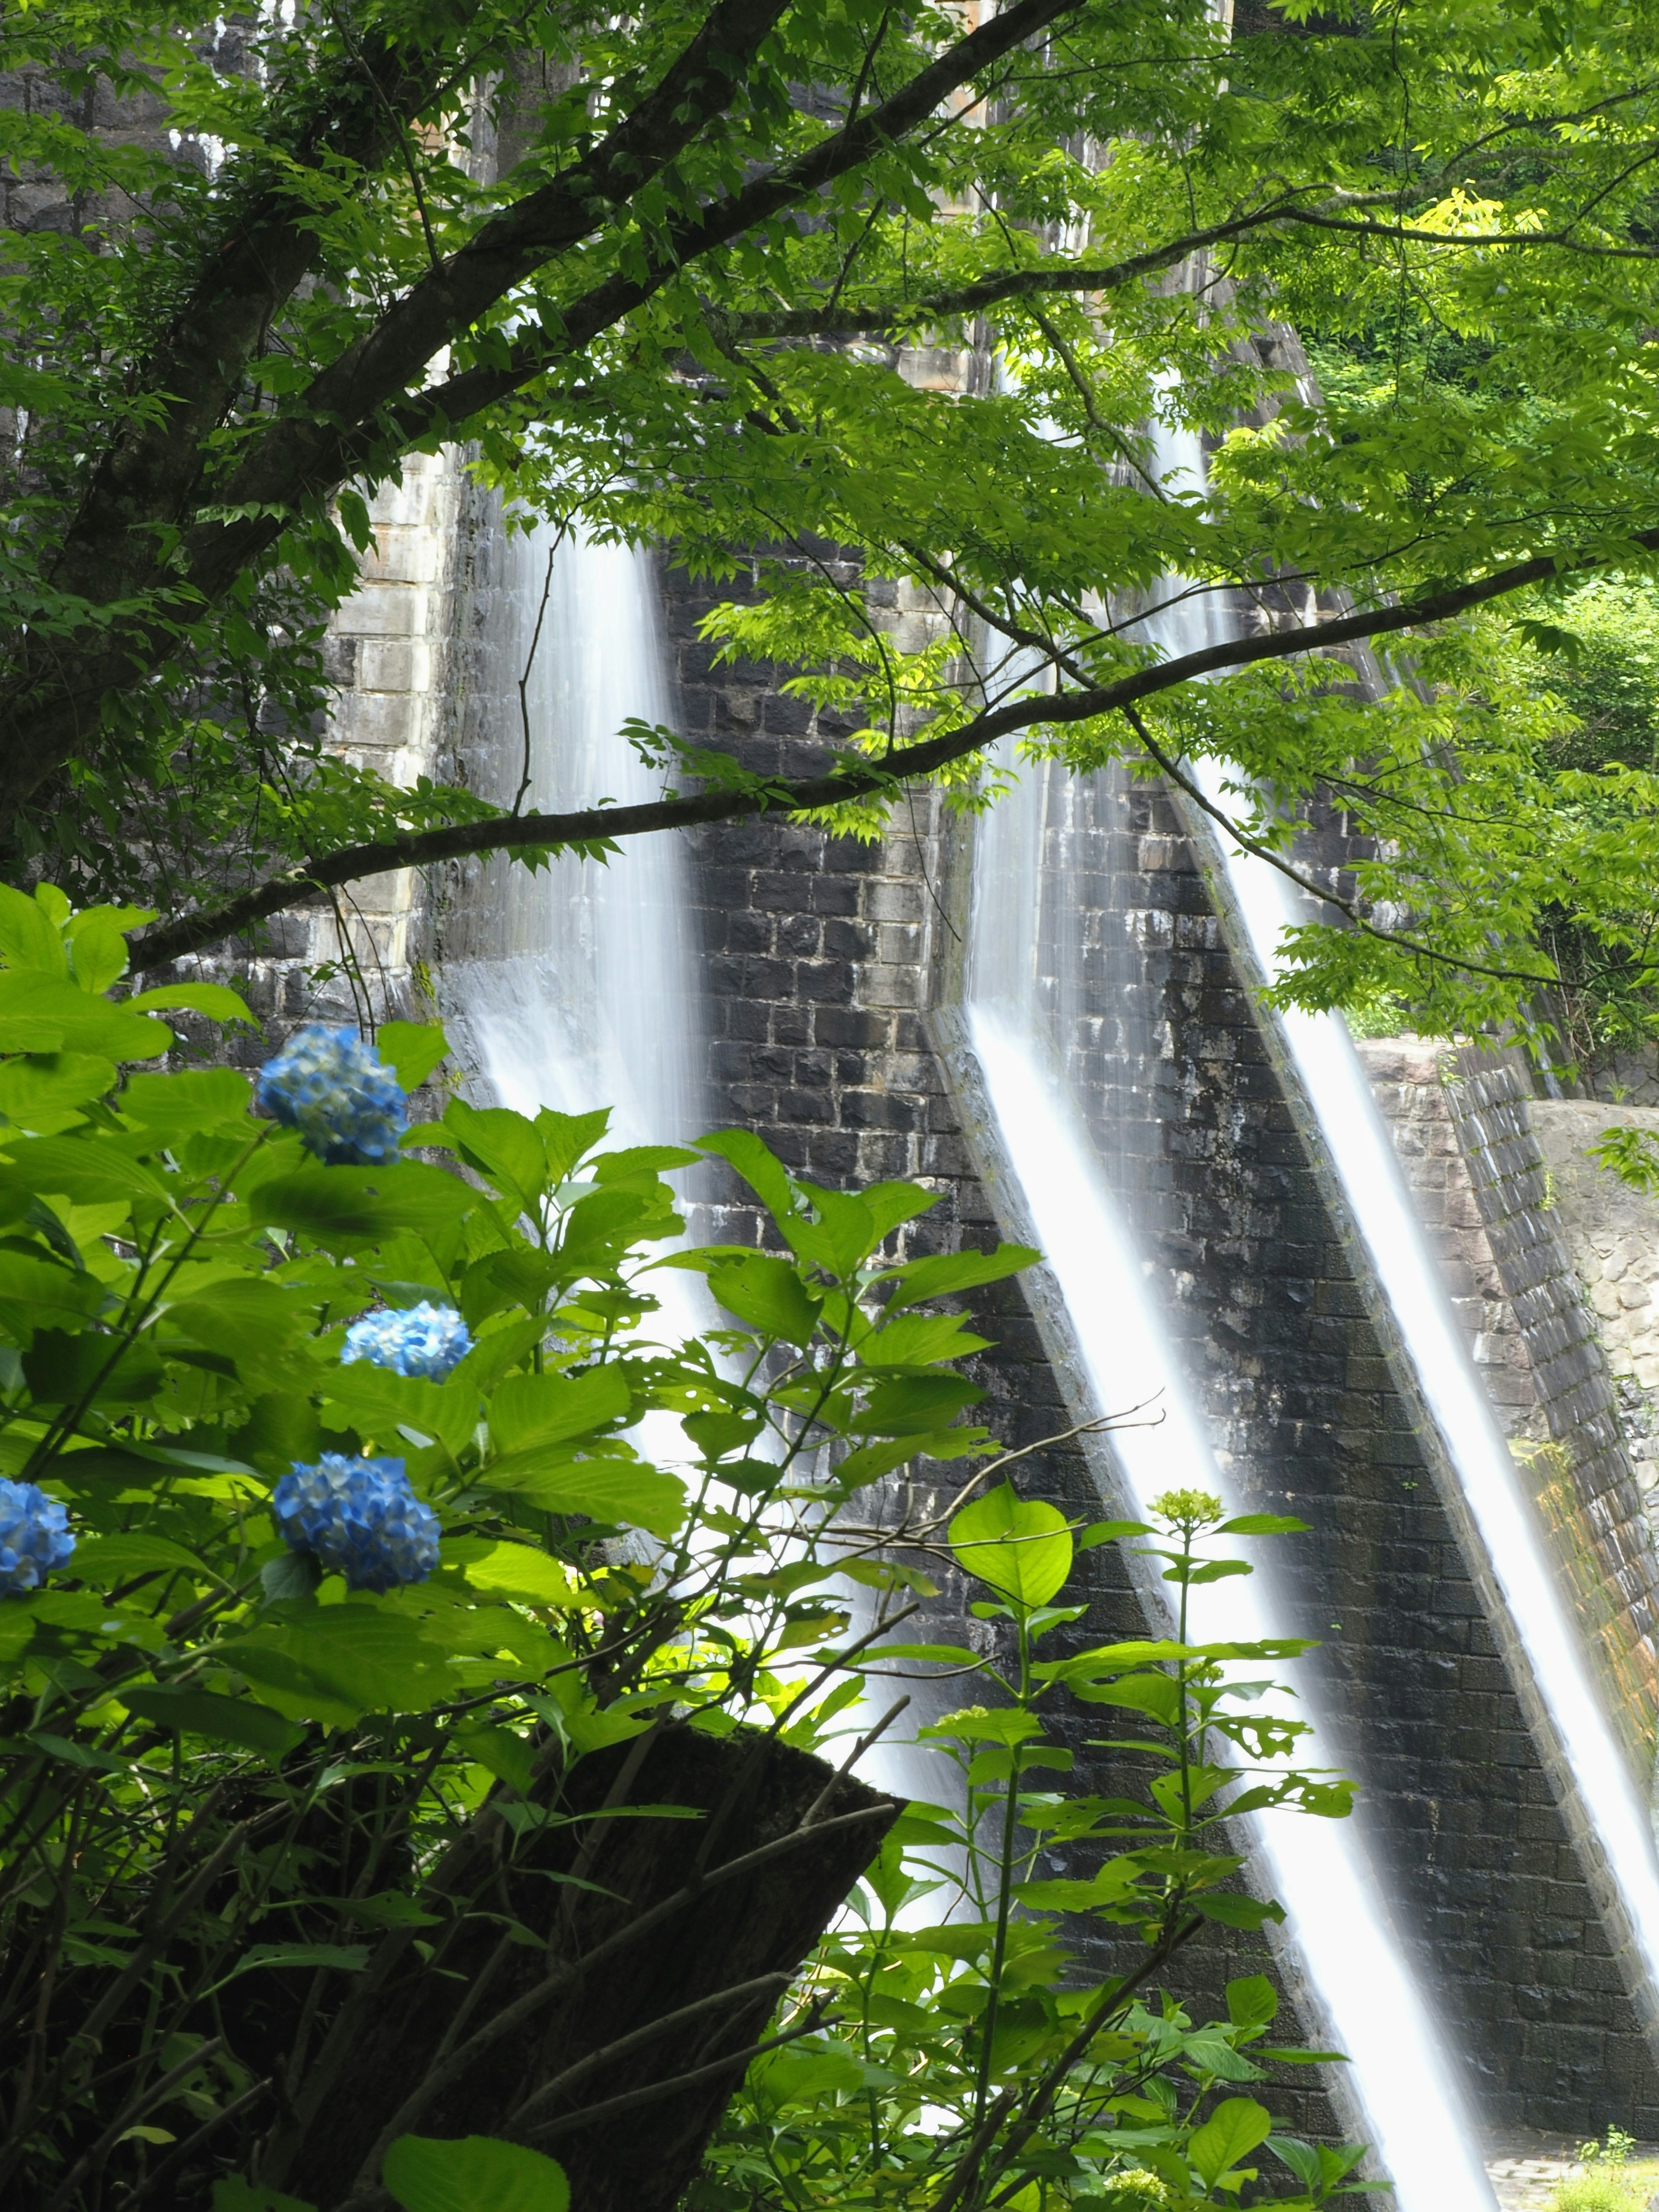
column 1027, row 1032
column 588, row 996
column 1588, row 1766
column 1399, row 2092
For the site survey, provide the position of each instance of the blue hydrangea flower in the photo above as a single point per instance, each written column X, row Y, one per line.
column 345, row 1103
column 424, row 1340
column 35, row 1536
column 360, row 1518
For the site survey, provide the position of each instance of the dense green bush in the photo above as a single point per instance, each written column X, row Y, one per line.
column 332, row 1549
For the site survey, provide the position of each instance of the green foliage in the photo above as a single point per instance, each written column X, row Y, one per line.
column 972, row 2063
column 475, row 2174
column 714, row 319
column 224, row 1775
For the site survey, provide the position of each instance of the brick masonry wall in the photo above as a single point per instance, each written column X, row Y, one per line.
column 1464, row 1124
column 823, row 959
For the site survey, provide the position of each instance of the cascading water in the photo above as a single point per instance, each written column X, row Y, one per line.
column 1399, row 2087
column 1588, row 1764
column 589, row 997
column 1020, row 1024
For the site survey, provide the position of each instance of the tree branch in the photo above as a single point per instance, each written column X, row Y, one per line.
column 359, row 414
column 852, row 778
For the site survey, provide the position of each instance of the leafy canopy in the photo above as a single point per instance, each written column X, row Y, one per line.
column 775, row 275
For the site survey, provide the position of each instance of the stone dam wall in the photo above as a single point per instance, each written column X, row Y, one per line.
column 825, row 965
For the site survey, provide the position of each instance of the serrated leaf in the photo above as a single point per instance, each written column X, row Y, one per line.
column 768, row 1294
column 548, row 1409
column 621, row 1494
column 345, row 1206
column 945, row 1273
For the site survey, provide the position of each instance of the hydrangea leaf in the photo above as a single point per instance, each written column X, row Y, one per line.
column 627, row 1495
column 223, row 1720
column 345, row 1206
column 380, row 1405
column 1231, row 2132
column 411, row 1049
column 1019, row 1547
column 476, row 2173
column 546, row 1409
column 41, row 1093
column 770, row 1295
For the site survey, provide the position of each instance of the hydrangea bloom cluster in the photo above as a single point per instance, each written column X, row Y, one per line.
column 360, row 1519
column 35, row 1536
column 424, row 1340
column 330, row 1086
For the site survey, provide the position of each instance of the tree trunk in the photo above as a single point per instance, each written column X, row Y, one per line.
column 514, row 1997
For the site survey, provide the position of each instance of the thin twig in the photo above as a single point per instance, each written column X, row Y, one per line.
column 669, row 2022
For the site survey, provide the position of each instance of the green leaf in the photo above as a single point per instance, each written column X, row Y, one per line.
column 28, row 936
column 46, row 1014
column 1263, row 1524
column 507, row 1756
column 764, row 1173
column 545, row 1409
column 769, row 1294
column 235, row 2195
column 349, row 1958
column 476, row 2174
column 411, row 1049
column 1018, row 1547
column 502, row 1146
column 170, row 1108
column 1108, row 1532
column 509, row 1570
column 36, row 1294
column 335, row 1663
column 1231, row 1910
column 216, row 1001
column 380, row 1403
column 42, row 1093
column 103, row 1561
column 97, row 948
column 251, row 1319
column 921, row 1340
column 915, row 1405
column 1252, row 2000
column 204, row 1712
column 1231, row 2132
column 622, row 1494
column 948, row 1272
column 342, row 1207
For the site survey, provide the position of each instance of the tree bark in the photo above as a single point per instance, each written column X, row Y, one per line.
column 575, row 1892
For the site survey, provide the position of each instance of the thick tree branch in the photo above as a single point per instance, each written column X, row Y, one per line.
column 340, row 428
column 350, row 115
column 359, row 413
column 853, row 778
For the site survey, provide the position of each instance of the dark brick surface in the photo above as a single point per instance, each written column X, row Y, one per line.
column 818, row 1045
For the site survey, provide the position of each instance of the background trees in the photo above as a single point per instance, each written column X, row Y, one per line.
column 659, row 275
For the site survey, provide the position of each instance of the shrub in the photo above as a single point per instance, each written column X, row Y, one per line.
column 310, row 1661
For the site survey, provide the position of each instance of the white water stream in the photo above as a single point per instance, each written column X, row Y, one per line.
column 1400, row 2087
column 1362, row 1158
column 592, row 999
